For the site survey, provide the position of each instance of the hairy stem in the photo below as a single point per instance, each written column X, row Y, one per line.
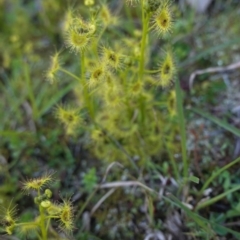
column 87, row 98
column 42, row 223
column 70, row 74
column 145, row 22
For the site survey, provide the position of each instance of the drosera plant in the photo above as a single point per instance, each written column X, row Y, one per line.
column 114, row 85
column 122, row 96
column 48, row 210
column 127, row 117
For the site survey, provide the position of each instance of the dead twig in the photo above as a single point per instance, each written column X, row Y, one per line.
column 212, row 70
column 125, row 184
column 109, row 168
column 99, row 203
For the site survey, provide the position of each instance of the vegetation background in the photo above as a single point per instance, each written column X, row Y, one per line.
column 123, row 186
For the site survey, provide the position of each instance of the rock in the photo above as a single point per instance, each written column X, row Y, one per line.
column 199, row 5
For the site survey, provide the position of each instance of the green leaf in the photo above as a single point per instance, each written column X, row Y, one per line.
column 194, row 179
column 56, row 98
column 217, row 198
column 215, row 174
column 202, row 222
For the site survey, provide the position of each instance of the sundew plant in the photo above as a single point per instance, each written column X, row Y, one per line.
column 124, row 100
column 48, row 211
column 109, row 118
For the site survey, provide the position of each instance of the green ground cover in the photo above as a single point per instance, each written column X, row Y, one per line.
column 107, row 128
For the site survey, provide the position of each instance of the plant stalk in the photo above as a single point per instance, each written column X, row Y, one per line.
column 42, row 223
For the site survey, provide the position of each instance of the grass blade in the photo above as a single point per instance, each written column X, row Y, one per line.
column 217, row 198
column 218, row 121
column 182, row 127
column 56, row 98
column 214, row 175
column 199, row 220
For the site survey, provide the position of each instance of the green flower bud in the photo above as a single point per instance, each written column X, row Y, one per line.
column 36, row 200
column 46, row 204
column 48, row 193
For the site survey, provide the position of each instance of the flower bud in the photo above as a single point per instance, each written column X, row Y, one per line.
column 46, row 204
column 48, row 193
column 36, row 200
column 89, row 2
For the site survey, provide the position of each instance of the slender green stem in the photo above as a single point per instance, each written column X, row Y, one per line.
column 51, row 217
column 96, row 43
column 218, row 121
column 173, row 162
column 48, row 223
column 39, row 237
column 70, row 74
column 26, row 224
column 214, row 175
column 129, row 24
column 42, row 220
column 30, row 91
column 82, row 63
column 87, row 98
column 42, row 223
column 182, row 127
column 86, row 203
column 145, row 22
column 54, row 233
column 152, row 71
column 101, row 33
column 119, row 146
column 217, row 198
